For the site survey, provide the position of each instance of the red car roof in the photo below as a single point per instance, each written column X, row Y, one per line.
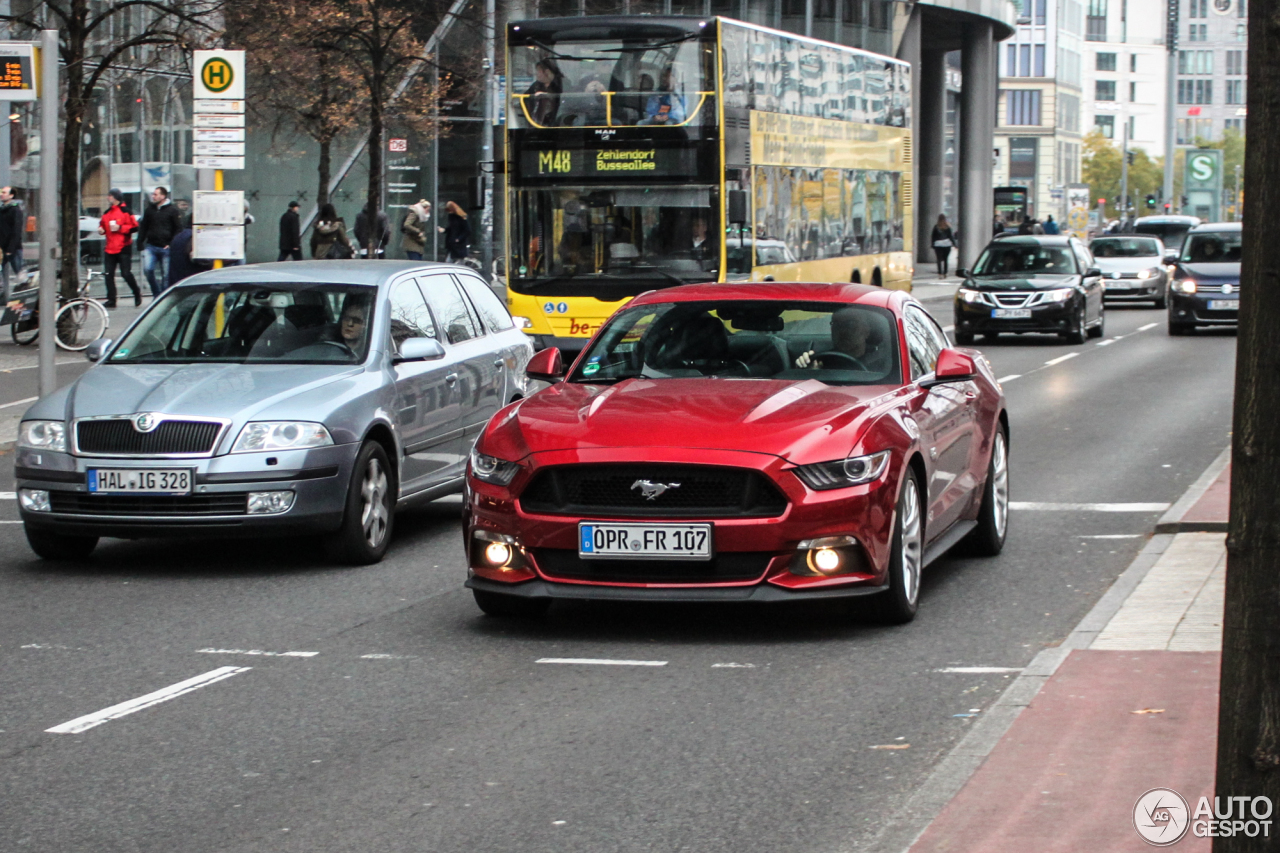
column 865, row 294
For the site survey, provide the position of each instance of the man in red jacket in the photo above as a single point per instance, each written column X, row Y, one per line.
column 117, row 225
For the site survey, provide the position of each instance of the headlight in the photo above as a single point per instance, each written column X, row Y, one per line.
column 491, row 469
column 522, row 322
column 1062, row 294
column 281, row 435
column 1186, row 285
column 1145, row 274
column 971, row 295
column 43, row 435
column 842, row 473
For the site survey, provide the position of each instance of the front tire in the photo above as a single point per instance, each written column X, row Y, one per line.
column 987, row 539
column 509, row 606
column 1180, row 329
column 898, row 604
column 53, row 546
column 1078, row 334
column 1100, row 329
column 964, row 339
column 370, row 513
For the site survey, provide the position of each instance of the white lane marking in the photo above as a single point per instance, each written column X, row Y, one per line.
column 948, row 328
column 1009, row 378
column 388, row 657
column 733, row 666
column 1105, row 343
column 1148, row 326
column 34, row 366
column 1051, row 362
column 18, row 402
column 51, row 646
column 256, row 652
column 10, row 522
column 173, row 691
column 1088, row 507
column 602, row 662
column 1114, row 536
column 979, row 670
column 8, row 496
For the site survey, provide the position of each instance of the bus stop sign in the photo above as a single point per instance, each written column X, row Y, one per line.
column 218, row 74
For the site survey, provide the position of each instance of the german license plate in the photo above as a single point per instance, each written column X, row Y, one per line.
column 1224, row 304
column 155, row 481
column 1011, row 313
column 1118, row 285
column 644, row 541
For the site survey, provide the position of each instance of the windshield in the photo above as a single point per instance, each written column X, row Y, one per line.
column 638, row 234
column 1027, row 259
column 1170, row 233
column 1125, row 247
column 835, row 343
column 253, row 324
column 1219, row 248
column 636, row 81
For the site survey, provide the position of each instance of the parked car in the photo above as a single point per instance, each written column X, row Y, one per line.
column 1133, row 268
column 1170, row 230
column 1206, row 280
column 761, row 442
column 312, row 397
column 1031, row 284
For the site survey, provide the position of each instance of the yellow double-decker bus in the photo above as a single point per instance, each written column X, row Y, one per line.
column 646, row 152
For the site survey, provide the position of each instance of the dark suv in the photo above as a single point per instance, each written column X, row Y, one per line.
column 1206, row 280
column 1031, row 284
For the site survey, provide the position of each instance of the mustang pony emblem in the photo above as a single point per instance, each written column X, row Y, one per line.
column 651, row 490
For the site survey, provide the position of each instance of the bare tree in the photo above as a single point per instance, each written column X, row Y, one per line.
column 1249, row 707
column 88, row 51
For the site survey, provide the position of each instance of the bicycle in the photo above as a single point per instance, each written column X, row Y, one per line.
column 80, row 320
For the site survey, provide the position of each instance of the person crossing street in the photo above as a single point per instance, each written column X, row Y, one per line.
column 160, row 223
column 117, row 225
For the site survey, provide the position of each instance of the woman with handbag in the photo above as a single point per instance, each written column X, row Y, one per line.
column 329, row 239
column 943, row 239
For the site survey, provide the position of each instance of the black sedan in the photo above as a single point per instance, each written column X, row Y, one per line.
column 1031, row 284
column 1206, row 281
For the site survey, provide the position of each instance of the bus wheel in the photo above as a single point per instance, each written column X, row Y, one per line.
column 875, row 278
column 857, row 277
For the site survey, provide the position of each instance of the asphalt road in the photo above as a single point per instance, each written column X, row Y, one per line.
column 418, row 724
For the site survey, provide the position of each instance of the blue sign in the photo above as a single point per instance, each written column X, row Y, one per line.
column 563, row 308
column 549, row 308
column 588, row 543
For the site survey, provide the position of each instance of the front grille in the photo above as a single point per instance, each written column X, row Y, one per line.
column 80, row 503
column 614, row 490
column 118, row 437
column 1012, row 300
column 722, row 568
column 1215, row 288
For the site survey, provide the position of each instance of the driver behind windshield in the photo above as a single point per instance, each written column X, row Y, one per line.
column 853, row 341
column 352, row 322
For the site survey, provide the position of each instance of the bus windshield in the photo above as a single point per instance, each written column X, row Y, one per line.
column 662, row 80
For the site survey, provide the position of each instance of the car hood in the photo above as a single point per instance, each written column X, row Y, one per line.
column 791, row 419
column 1020, row 281
column 233, row 391
column 1109, row 265
column 1213, row 272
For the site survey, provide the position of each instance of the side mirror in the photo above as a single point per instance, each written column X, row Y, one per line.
column 419, row 349
column 97, row 350
column 962, row 272
column 953, row 366
column 545, row 366
column 1093, row 272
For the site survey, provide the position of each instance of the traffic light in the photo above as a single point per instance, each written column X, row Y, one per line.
column 1129, row 156
column 1151, row 201
column 1168, row 208
column 1185, row 201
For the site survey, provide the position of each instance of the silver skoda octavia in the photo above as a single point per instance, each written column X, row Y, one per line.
column 275, row 399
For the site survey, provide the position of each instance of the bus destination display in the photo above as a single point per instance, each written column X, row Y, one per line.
column 601, row 162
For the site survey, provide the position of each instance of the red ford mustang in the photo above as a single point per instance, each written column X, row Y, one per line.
column 730, row 442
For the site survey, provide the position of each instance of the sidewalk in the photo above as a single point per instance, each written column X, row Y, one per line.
column 931, row 290
column 1127, row 704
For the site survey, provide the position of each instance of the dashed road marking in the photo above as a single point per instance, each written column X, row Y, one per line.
column 1051, row 362
column 1046, row 506
column 258, row 652
column 1148, row 326
column 1113, row 536
column 18, row 402
column 8, row 496
column 173, row 691
column 733, row 666
column 388, row 657
column 1108, row 342
column 1009, row 378
column 979, row 670
column 602, row 662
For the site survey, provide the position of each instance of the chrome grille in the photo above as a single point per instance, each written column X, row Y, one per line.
column 119, row 437
column 1216, row 288
column 1013, row 300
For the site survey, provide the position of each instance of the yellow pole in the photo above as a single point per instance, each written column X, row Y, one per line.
column 220, row 307
column 217, row 186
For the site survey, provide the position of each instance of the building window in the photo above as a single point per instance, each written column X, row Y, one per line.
column 1040, row 11
column 1192, row 130
column 1104, row 90
column 1195, row 62
column 1011, row 61
column 1024, row 66
column 1095, row 23
column 1242, row 32
column 1242, row 8
column 1186, row 92
column 1236, row 124
column 1022, row 106
column 1197, row 32
column 1106, row 124
column 1204, row 91
column 1068, row 112
column 1197, row 8
column 1133, row 63
column 1133, row 92
column 1022, row 158
column 1132, row 126
column 1024, row 11
column 1235, row 92
column 1039, row 60
column 1105, row 62
column 1235, row 62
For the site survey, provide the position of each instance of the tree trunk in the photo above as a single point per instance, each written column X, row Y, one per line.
column 325, row 169
column 375, row 165
column 1249, row 710
column 69, row 177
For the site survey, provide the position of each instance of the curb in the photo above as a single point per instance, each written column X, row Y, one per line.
column 955, row 769
column 1171, row 521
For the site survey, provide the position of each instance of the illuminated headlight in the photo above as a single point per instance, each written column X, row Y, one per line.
column 491, row 469
column 971, row 296
column 842, row 473
column 1187, row 285
column 830, row 555
column 1061, row 294
column 496, row 550
column 522, row 322
column 267, row 503
column 281, row 435
column 43, row 435
column 1146, row 274
column 34, row 500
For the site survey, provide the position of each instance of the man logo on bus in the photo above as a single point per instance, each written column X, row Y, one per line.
column 217, row 75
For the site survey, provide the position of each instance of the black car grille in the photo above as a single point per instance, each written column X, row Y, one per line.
column 722, row 568
column 118, row 436
column 80, row 503
column 615, row 490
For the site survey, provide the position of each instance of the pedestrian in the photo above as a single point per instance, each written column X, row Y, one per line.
column 159, row 224
column 329, row 240
column 118, row 225
column 365, row 234
column 12, row 222
column 1036, row 227
column 997, row 226
column 1024, row 227
column 944, row 240
column 414, row 228
column 290, row 234
column 1051, row 227
column 182, row 261
column 457, row 234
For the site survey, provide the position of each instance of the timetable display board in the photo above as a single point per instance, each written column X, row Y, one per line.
column 17, row 71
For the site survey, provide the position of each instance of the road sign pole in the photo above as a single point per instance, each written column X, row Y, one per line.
column 48, row 299
column 217, row 187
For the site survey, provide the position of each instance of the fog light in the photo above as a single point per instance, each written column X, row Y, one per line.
column 268, row 503
column 498, row 553
column 825, row 559
column 34, row 500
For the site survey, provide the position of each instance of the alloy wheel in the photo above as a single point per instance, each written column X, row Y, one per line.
column 912, row 541
column 373, row 515
column 1000, row 485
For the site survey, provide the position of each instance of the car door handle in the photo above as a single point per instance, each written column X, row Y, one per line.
column 451, row 378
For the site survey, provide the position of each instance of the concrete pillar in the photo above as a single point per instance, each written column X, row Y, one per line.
column 977, row 138
column 931, row 140
column 909, row 51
